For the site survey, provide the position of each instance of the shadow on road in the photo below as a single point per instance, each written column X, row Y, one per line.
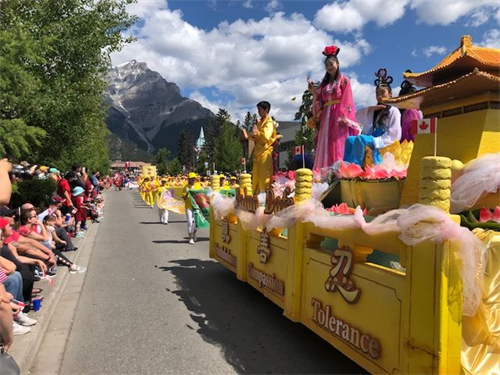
column 200, row 239
column 157, row 222
column 252, row 332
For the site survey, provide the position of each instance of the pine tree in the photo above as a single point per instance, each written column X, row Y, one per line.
column 161, row 160
column 228, row 151
column 305, row 135
column 54, row 58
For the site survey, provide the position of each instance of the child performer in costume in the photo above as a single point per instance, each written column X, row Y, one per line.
column 193, row 185
column 333, row 108
column 381, row 124
column 264, row 135
column 162, row 212
column 408, row 115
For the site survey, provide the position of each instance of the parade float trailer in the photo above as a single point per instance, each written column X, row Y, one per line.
column 406, row 321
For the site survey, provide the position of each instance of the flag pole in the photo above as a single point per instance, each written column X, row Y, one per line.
column 303, row 156
column 435, row 140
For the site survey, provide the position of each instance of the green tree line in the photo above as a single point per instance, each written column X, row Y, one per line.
column 54, row 56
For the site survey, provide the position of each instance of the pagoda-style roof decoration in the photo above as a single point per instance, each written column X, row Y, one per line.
column 477, row 81
column 461, row 61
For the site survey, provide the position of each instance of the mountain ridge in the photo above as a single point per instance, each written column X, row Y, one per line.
column 147, row 110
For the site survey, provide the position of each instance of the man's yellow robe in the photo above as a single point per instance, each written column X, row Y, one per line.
column 263, row 155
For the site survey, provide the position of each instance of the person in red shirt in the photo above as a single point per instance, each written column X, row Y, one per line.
column 81, row 210
column 64, row 191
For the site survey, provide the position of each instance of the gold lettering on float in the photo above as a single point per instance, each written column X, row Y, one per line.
column 265, row 280
column 362, row 342
column 226, row 237
column 276, row 204
column 264, row 248
column 224, row 253
column 340, row 273
column 272, row 205
column 246, row 202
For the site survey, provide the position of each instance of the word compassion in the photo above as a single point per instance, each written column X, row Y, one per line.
column 272, row 205
column 343, row 330
column 223, row 253
column 269, row 281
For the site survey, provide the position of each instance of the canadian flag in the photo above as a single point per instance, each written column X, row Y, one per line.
column 424, row 126
column 298, row 150
column 243, row 161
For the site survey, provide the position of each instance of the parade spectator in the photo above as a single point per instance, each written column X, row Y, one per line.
column 5, row 185
column 64, row 191
column 81, row 211
column 6, row 328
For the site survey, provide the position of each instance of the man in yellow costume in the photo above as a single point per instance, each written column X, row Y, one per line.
column 264, row 135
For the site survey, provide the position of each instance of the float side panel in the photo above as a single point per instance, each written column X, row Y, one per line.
column 377, row 312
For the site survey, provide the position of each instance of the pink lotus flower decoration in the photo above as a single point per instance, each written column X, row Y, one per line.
column 486, row 215
column 343, row 209
column 349, row 171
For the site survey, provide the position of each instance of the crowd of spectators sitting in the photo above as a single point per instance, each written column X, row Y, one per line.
column 34, row 239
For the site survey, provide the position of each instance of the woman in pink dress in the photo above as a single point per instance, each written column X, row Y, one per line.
column 333, row 108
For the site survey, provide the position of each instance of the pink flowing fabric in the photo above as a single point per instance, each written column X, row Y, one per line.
column 408, row 116
column 337, row 122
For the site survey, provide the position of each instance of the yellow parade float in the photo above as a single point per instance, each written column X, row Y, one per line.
column 408, row 320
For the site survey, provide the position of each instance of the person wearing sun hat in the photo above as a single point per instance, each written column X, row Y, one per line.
column 161, row 189
column 81, row 210
column 191, row 185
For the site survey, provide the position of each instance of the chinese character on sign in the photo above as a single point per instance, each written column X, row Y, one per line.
column 226, row 238
column 340, row 273
column 264, row 248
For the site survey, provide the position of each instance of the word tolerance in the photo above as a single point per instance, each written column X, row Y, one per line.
column 269, row 281
column 361, row 341
column 225, row 254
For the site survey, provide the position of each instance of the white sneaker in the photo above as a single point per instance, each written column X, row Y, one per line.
column 18, row 329
column 191, row 241
column 79, row 269
column 24, row 320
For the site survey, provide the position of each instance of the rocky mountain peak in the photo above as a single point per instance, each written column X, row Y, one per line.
column 143, row 105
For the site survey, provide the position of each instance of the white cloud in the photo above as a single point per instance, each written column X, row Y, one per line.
column 205, row 102
column 444, row 12
column 248, row 4
column 273, row 6
column 478, row 18
column 434, row 50
column 144, row 8
column 250, row 60
column 491, row 39
column 414, row 52
column 353, row 15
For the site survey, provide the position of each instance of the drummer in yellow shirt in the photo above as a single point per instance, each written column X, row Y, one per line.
column 192, row 184
column 264, row 135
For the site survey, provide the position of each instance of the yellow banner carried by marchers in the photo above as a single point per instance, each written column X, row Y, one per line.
column 166, row 201
column 149, row 171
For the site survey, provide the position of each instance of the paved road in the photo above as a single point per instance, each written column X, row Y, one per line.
column 153, row 304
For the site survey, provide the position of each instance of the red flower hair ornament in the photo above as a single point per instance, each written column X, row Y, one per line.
column 331, row 51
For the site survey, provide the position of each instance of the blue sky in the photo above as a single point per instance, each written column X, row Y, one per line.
column 232, row 54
